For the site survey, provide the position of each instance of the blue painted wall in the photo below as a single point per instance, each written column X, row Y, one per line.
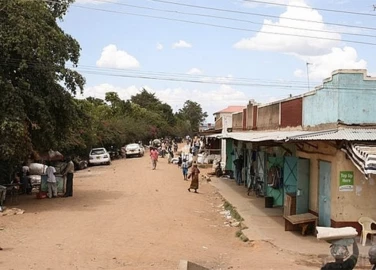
column 347, row 97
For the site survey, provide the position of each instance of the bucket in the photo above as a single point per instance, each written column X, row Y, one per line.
column 269, row 201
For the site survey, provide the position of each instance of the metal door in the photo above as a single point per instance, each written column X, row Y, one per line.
column 302, row 192
column 324, row 193
column 290, row 174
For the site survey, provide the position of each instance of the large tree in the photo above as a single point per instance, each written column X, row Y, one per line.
column 37, row 108
column 192, row 112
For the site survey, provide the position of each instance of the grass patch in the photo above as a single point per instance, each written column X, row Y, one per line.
column 233, row 212
column 241, row 236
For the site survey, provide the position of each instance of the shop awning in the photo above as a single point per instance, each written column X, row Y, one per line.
column 346, row 134
column 363, row 156
column 260, row 136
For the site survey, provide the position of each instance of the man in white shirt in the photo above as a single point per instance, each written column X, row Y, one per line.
column 51, row 181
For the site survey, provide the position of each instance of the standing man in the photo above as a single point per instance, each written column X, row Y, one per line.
column 68, row 172
column 154, row 157
column 239, row 162
column 51, row 181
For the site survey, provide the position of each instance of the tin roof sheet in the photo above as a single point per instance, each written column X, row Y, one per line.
column 337, row 135
column 259, row 136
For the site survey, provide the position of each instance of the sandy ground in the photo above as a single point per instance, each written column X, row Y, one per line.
column 127, row 216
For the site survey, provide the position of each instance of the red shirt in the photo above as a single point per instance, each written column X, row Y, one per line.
column 154, row 154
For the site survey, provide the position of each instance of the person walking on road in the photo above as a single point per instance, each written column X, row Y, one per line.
column 184, row 167
column 154, row 157
column 51, row 181
column 68, row 172
column 340, row 253
column 194, row 182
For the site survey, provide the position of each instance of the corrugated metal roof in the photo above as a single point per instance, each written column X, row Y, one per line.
column 259, row 136
column 337, row 135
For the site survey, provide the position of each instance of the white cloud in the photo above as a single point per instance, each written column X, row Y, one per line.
column 211, row 101
column 99, row 91
column 181, row 44
column 291, row 40
column 322, row 66
column 111, row 57
column 194, row 71
column 159, row 46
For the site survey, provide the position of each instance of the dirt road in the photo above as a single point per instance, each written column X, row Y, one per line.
column 127, row 216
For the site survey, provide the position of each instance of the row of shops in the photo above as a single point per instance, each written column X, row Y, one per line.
column 324, row 159
column 328, row 173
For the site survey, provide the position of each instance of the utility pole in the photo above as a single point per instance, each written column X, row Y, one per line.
column 307, row 64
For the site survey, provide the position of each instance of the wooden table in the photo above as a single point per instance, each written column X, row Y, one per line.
column 301, row 220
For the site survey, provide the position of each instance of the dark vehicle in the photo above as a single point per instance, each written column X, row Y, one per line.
column 79, row 164
column 114, row 152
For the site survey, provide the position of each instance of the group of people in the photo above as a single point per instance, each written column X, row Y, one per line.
column 67, row 172
column 183, row 164
column 22, row 179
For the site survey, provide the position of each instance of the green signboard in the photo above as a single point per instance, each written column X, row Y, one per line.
column 346, row 181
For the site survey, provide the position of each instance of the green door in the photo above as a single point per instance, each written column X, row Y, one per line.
column 324, row 193
column 290, row 172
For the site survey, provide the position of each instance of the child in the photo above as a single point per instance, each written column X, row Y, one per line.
column 180, row 161
column 184, row 166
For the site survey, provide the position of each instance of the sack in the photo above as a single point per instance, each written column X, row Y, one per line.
column 328, row 233
column 37, row 169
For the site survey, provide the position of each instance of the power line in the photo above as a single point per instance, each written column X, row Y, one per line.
column 305, row 7
column 260, row 14
column 232, row 19
column 287, row 85
column 204, row 79
column 220, row 79
column 220, row 26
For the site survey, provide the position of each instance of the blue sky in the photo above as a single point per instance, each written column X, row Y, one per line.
column 229, row 65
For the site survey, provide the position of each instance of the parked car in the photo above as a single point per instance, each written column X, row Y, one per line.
column 134, row 149
column 99, row 156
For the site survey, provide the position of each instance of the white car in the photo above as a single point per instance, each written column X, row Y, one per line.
column 99, row 156
column 134, row 149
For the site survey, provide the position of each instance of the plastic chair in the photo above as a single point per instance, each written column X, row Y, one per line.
column 366, row 223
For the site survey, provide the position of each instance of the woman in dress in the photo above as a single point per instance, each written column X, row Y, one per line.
column 194, row 182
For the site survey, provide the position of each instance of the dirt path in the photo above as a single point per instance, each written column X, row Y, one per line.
column 127, row 216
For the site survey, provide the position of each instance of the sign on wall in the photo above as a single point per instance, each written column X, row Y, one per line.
column 346, row 181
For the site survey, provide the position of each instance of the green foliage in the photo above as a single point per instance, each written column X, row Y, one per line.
column 193, row 113
column 38, row 113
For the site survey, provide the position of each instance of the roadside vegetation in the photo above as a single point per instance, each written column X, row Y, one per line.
column 38, row 107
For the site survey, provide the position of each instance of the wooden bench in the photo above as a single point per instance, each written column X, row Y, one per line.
column 301, row 220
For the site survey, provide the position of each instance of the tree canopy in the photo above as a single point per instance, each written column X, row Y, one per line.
column 35, row 84
column 38, row 107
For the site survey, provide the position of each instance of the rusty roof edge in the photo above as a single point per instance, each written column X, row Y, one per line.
column 318, row 133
